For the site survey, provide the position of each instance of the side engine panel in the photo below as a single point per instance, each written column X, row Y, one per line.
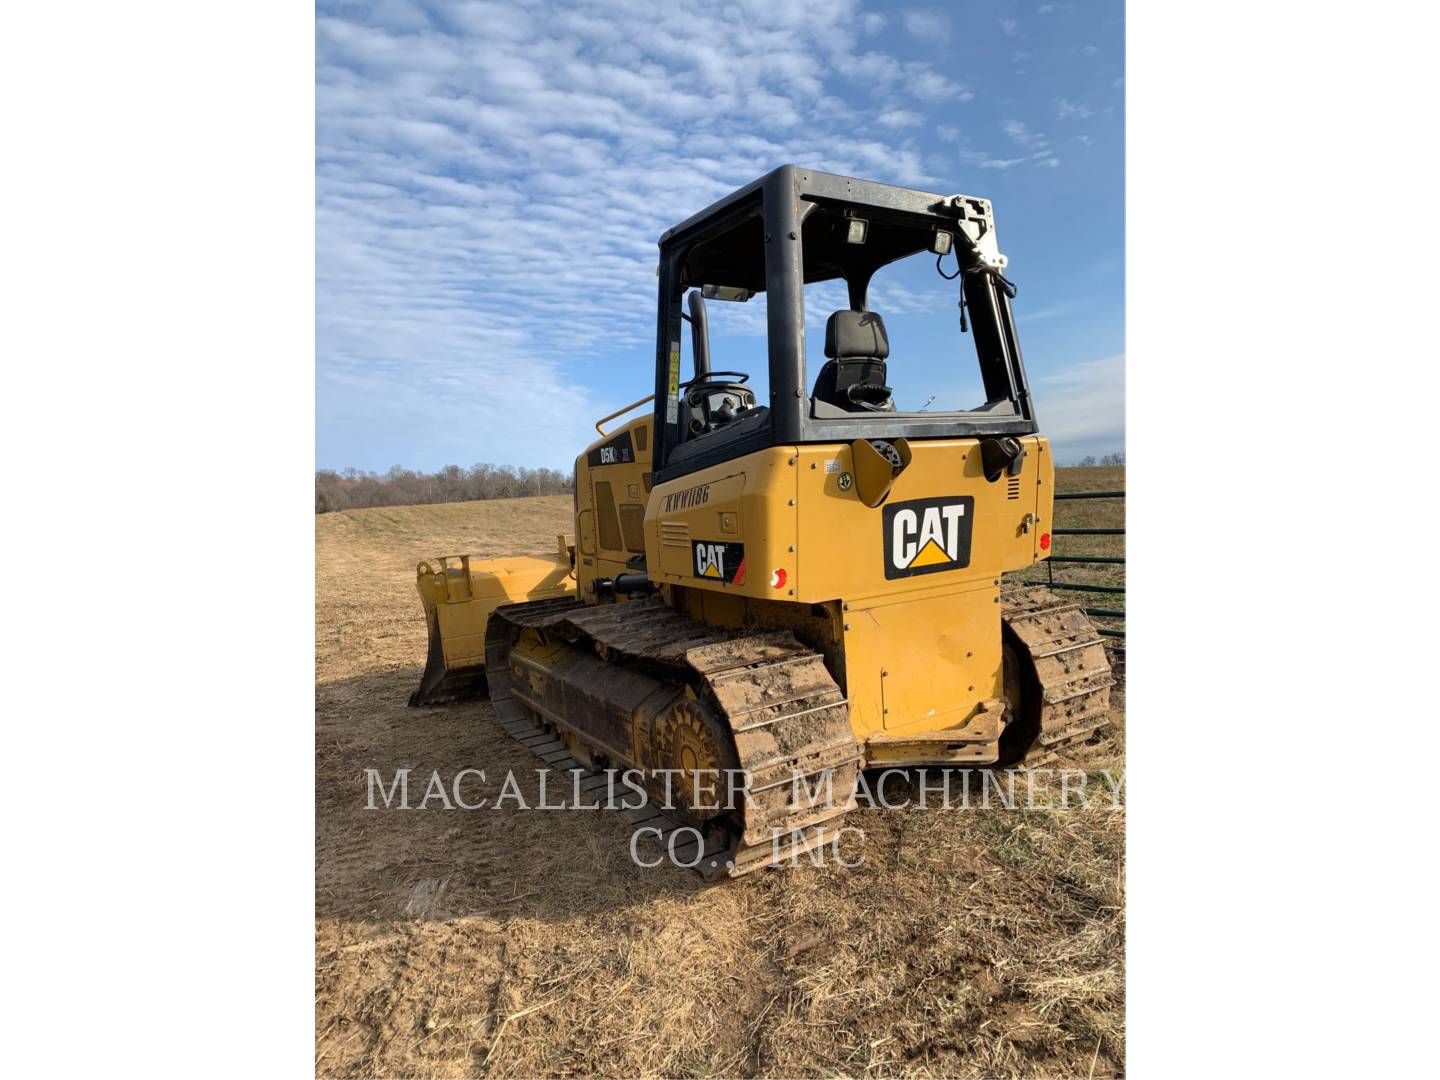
column 612, row 486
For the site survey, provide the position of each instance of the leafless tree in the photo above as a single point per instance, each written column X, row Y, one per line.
column 352, row 489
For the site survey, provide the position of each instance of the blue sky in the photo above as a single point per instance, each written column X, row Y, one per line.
column 492, row 180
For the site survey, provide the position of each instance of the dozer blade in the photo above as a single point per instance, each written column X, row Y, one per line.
column 459, row 593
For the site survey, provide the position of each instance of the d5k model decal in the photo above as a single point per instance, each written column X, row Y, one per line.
column 925, row 536
column 617, row 451
column 719, row 561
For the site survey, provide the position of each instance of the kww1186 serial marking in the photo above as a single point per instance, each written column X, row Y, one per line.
column 925, row 536
column 719, row 561
column 684, row 500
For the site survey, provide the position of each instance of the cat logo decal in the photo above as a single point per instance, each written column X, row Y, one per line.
column 925, row 536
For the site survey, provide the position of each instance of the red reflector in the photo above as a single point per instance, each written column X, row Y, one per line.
column 777, row 578
column 1044, row 541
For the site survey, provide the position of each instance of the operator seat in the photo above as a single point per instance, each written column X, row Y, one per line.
column 853, row 377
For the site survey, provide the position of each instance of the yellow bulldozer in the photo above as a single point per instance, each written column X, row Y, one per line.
column 798, row 584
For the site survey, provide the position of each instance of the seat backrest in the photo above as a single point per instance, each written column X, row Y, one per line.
column 853, row 378
column 856, row 335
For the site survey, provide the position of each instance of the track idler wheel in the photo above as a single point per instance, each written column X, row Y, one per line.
column 692, row 740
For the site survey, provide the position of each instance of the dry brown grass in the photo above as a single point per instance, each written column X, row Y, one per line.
column 507, row 943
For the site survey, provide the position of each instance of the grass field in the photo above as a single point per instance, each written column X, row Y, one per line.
column 511, row 943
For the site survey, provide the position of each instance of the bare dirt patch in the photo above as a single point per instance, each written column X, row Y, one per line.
column 510, row 943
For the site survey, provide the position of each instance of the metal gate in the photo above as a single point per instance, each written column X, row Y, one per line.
column 1091, row 586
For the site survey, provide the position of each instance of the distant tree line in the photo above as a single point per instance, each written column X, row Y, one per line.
column 1090, row 462
column 352, row 489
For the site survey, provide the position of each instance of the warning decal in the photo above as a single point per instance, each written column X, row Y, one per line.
column 672, row 390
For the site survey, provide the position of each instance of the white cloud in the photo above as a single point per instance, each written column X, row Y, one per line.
column 1043, row 313
column 1037, row 143
column 985, row 161
column 1009, row 27
column 1069, row 110
column 873, row 23
column 491, row 181
column 927, row 25
column 400, row 15
column 899, row 118
column 932, row 86
column 1090, row 50
column 1082, row 408
column 1021, row 134
column 885, row 75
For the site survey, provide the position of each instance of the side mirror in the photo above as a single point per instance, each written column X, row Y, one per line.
column 725, row 292
column 1001, row 455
